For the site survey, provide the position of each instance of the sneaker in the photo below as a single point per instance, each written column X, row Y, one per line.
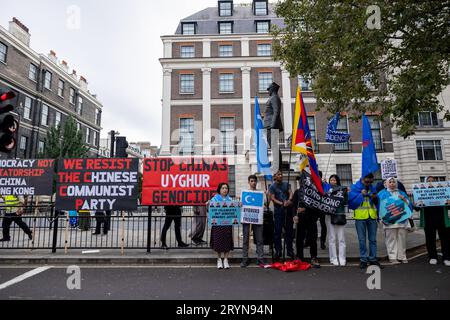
column 315, row 263
column 182, row 245
column 447, row 263
column 244, row 263
column 334, row 262
column 433, row 261
column 343, row 264
column 219, row 263
column 394, row 262
column 404, row 261
column 376, row 263
column 363, row 265
column 260, row 262
column 225, row 264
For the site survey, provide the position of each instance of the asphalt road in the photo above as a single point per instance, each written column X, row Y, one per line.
column 416, row 280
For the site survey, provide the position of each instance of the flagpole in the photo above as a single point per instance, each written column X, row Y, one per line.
column 329, row 159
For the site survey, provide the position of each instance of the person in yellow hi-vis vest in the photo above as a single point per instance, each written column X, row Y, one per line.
column 13, row 213
column 363, row 199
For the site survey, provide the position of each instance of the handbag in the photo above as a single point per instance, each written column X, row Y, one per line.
column 338, row 219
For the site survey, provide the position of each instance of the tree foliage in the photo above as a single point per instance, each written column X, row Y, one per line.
column 65, row 142
column 338, row 44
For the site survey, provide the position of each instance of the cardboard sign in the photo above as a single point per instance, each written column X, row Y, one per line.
column 389, row 169
column 252, row 211
column 181, row 180
column 311, row 198
column 433, row 194
column 26, row 177
column 97, row 184
column 224, row 213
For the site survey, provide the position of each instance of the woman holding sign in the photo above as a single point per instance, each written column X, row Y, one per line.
column 395, row 209
column 222, row 236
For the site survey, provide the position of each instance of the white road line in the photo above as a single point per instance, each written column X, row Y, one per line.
column 24, row 276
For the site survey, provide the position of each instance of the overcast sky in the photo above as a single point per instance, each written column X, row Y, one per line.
column 116, row 48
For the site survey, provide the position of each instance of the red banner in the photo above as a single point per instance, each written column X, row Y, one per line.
column 181, row 180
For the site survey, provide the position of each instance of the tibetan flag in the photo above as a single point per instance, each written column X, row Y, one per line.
column 262, row 157
column 302, row 141
column 369, row 155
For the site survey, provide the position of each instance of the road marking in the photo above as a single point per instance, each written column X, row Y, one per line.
column 24, row 276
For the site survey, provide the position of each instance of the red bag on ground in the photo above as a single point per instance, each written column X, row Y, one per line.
column 290, row 266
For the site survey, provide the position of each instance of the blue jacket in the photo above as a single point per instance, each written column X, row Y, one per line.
column 355, row 198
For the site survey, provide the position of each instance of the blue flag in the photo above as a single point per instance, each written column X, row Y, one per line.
column 369, row 155
column 334, row 136
column 262, row 157
column 255, row 199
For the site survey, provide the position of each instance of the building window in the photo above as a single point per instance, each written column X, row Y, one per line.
column 375, row 126
column 48, row 80
column 369, row 82
column 186, row 136
column 80, row 105
column 78, row 126
column 225, row 27
column 41, row 147
column 265, row 79
column 261, row 8
column 44, row 115
column 188, row 28
column 60, row 88
column 227, row 135
column 187, row 52
column 342, row 127
column 436, row 178
column 225, row 50
column 27, row 108
column 344, row 171
column 32, row 73
column 312, row 129
column 264, row 50
column 427, row 119
column 225, row 8
column 57, row 118
column 97, row 117
column 23, row 143
column 305, row 83
column 88, row 135
column 95, row 143
column 429, row 150
column 3, row 52
column 187, row 83
column 226, row 82
column 72, row 95
column 262, row 26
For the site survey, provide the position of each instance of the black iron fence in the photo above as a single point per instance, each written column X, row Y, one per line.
column 140, row 229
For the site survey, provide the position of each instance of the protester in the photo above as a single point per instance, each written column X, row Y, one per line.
column 13, row 213
column 200, row 216
column 306, row 220
column 173, row 213
column 336, row 226
column 84, row 220
column 363, row 199
column 101, row 219
column 257, row 233
column 222, row 236
column 436, row 219
column 281, row 196
column 323, row 225
column 395, row 208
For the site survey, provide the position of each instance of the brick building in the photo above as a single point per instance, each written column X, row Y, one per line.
column 214, row 65
column 46, row 93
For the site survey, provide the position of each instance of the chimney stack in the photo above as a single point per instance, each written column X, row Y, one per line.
column 52, row 56
column 83, row 83
column 64, row 66
column 20, row 31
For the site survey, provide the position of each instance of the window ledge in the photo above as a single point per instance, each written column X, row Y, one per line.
column 187, row 93
column 35, row 81
column 227, row 92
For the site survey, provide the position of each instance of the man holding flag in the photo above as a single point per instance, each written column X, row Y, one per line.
column 363, row 200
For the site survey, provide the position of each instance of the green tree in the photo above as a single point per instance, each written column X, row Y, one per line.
column 404, row 51
column 65, row 142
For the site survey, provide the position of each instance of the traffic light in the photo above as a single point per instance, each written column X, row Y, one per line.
column 121, row 147
column 8, row 125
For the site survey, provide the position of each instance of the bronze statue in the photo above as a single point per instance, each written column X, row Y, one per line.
column 272, row 118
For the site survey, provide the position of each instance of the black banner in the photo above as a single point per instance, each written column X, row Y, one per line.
column 97, row 184
column 26, row 177
column 311, row 198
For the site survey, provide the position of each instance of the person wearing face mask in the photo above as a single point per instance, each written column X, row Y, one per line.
column 395, row 208
column 436, row 219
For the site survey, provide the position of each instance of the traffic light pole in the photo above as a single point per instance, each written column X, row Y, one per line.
column 113, row 140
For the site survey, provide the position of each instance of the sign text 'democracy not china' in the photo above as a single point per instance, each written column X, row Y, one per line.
column 182, row 180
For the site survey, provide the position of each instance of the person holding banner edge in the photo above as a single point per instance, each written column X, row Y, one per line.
column 257, row 233
column 13, row 213
column 222, row 236
column 436, row 219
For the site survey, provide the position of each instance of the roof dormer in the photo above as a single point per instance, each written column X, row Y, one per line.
column 260, row 7
column 225, row 8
